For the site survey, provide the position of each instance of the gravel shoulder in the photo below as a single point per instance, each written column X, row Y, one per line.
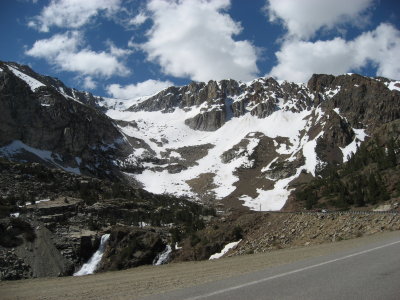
column 139, row 282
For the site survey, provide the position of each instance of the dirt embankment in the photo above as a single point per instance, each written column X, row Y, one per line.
column 282, row 230
column 263, row 232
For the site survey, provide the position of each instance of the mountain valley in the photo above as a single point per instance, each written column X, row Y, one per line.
column 196, row 166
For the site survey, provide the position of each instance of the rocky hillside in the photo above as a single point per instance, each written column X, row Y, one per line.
column 51, row 222
column 262, row 232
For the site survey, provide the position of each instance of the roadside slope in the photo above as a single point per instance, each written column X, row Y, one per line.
column 143, row 281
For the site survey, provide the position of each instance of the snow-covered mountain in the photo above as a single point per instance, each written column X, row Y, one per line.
column 223, row 142
column 251, row 141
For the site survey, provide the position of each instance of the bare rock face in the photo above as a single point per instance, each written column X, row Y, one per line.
column 48, row 120
column 220, row 101
column 207, row 121
column 263, row 110
column 339, row 133
column 361, row 100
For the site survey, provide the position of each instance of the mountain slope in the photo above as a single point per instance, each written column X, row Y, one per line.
column 246, row 142
column 41, row 122
column 227, row 143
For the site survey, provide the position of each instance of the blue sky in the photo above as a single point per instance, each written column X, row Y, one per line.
column 130, row 48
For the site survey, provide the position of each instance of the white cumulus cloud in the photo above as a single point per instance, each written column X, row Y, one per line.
column 132, row 91
column 298, row 60
column 89, row 83
column 72, row 13
column 195, row 39
column 304, row 18
column 65, row 52
column 54, row 46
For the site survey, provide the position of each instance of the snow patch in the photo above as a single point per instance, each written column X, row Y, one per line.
column 177, row 247
column 352, row 147
column 310, row 155
column 225, row 250
column 332, row 92
column 274, row 199
column 32, row 82
column 17, row 147
column 174, row 154
column 394, row 85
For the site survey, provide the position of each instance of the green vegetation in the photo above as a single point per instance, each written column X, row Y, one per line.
column 364, row 180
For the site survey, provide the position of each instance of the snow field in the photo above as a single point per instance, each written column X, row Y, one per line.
column 32, row 82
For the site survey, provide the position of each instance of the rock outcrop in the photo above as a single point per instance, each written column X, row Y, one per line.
column 130, row 247
column 361, row 100
column 55, row 129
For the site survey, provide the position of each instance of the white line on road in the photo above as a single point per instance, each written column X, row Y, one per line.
column 289, row 273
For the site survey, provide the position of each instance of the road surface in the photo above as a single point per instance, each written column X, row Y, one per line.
column 363, row 268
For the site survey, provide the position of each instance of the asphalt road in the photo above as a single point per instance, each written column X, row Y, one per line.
column 362, row 268
column 369, row 271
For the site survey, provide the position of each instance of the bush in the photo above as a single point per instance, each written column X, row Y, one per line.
column 10, row 234
column 238, row 233
column 194, row 240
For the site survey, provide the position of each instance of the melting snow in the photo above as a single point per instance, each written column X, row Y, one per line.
column 177, row 247
column 32, row 82
column 332, row 92
column 17, row 147
column 172, row 127
column 42, row 200
column 352, row 147
column 394, row 85
column 310, row 155
column 225, row 250
column 274, row 199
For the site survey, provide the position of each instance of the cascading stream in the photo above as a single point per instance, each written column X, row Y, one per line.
column 163, row 257
column 92, row 264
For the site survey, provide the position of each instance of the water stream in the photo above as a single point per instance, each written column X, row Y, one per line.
column 91, row 265
column 163, row 257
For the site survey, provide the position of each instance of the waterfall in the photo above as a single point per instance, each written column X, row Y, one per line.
column 162, row 258
column 91, row 266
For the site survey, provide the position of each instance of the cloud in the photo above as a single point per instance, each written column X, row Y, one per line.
column 304, row 18
column 132, row 91
column 54, row 46
column 139, row 19
column 89, row 83
column 298, row 60
column 88, row 62
column 72, row 13
column 65, row 52
column 195, row 39
column 118, row 52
